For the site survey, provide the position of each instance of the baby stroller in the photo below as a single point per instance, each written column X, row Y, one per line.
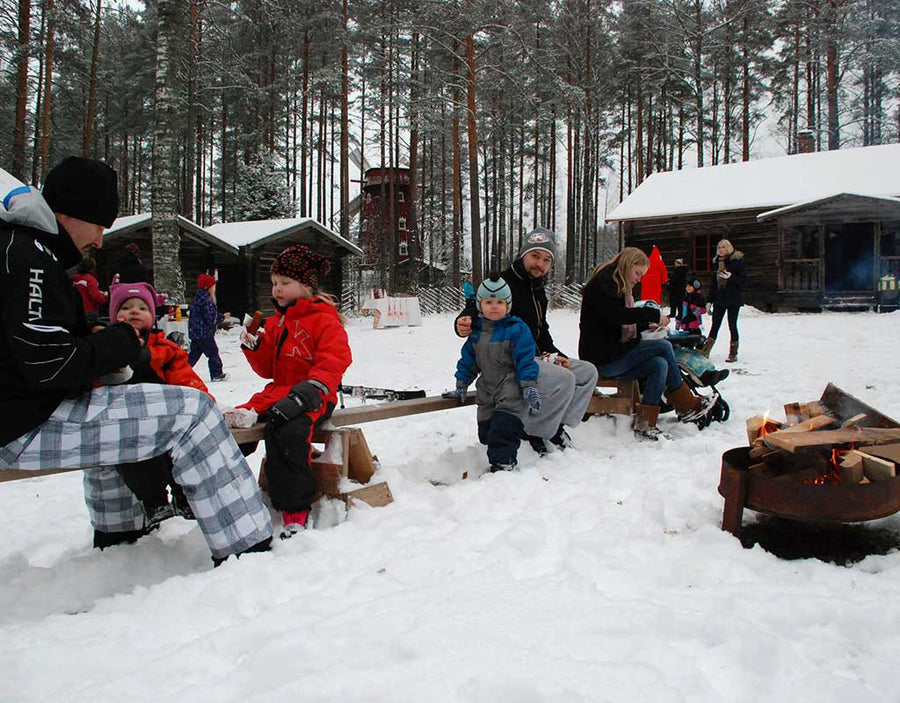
column 700, row 372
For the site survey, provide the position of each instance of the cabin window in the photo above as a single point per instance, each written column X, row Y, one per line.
column 404, row 249
column 368, row 197
column 401, row 197
column 364, row 226
column 704, row 251
column 402, row 223
column 801, row 242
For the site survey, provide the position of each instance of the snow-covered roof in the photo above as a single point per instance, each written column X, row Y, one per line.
column 817, row 203
column 765, row 183
column 129, row 223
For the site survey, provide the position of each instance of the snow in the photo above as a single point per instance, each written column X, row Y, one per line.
column 610, row 581
column 765, row 183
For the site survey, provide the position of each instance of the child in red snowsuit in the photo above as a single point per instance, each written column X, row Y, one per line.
column 304, row 349
column 161, row 361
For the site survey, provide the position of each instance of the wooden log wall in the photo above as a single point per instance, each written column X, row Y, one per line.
column 759, row 241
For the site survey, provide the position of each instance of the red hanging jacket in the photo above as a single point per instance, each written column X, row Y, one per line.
column 307, row 342
column 657, row 274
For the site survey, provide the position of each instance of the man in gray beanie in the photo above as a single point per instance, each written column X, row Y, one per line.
column 57, row 416
column 566, row 385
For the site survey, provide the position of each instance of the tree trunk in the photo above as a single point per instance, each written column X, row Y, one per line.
column 48, row 90
column 345, row 127
column 22, row 55
column 474, row 199
column 304, row 117
column 164, row 196
column 92, row 88
column 457, row 191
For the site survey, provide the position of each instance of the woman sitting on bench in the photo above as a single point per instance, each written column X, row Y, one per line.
column 611, row 340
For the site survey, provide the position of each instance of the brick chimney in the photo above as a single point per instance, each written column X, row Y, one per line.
column 806, row 141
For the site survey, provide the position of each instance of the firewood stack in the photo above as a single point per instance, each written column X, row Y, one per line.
column 836, row 439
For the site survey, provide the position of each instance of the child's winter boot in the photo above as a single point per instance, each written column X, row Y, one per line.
column 294, row 522
column 156, row 514
column 496, row 468
column 562, row 439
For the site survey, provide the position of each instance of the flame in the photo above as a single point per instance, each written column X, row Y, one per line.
column 833, row 474
column 764, row 429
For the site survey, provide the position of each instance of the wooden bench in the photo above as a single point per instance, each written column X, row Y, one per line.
column 621, row 402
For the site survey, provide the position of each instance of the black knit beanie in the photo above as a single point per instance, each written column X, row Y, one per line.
column 83, row 188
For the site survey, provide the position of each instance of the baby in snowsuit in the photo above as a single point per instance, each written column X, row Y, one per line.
column 500, row 352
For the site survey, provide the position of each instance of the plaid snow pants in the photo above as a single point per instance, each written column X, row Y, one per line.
column 125, row 424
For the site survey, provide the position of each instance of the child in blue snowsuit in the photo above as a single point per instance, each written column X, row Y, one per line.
column 500, row 353
column 203, row 319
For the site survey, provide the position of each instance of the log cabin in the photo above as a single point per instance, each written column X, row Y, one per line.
column 818, row 230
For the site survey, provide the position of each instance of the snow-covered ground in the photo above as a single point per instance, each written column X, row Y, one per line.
column 609, row 581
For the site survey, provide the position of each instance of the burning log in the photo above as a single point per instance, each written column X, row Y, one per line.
column 760, row 425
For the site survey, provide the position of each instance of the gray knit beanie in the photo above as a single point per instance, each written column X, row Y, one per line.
column 539, row 238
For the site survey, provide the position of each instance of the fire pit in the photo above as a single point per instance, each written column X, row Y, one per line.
column 800, row 472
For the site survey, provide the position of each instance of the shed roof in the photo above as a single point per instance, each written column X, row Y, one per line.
column 231, row 236
column 887, row 208
column 765, row 183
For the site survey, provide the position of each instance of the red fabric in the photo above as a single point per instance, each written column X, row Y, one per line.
column 170, row 363
column 657, row 274
column 90, row 291
column 308, row 342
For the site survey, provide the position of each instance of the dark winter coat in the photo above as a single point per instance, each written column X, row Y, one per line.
column 131, row 269
column 203, row 316
column 729, row 292
column 305, row 342
column 603, row 312
column 529, row 303
column 46, row 349
column 500, row 353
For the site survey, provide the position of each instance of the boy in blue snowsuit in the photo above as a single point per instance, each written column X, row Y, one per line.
column 203, row 318
column 501, row 353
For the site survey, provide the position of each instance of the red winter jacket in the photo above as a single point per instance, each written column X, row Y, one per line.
column 90, row 291
column 170, row 363
column 657, row 274
column 307, row 342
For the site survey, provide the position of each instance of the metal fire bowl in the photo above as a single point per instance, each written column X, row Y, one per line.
column 797, row 500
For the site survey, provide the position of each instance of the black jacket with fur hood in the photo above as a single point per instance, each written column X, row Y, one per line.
column 729, row 292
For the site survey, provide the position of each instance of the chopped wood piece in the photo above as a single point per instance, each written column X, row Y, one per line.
column 876, row 468
column 891, row 452
column 853, row 421
column 812, row 423
column 843, row 404
column 815, row 408
column 851, row 464
column 792, row 413
column 755, row 425
column 761, row 452
column 801, row 441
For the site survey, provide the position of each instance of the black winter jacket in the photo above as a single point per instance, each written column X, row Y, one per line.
column 529, row 303
column 47, row 352
column 729, row 292
column 603, row 313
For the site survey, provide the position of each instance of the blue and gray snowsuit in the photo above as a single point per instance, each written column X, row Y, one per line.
column 501, row 355
column 203, row 318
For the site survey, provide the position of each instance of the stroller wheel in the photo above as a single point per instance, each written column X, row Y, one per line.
column 726, row 410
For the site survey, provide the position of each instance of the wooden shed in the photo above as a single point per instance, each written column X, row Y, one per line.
column 242, row 252
column 818, row 230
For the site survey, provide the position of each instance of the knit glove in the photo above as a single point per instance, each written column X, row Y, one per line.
column 306, row 396
column 533, row 397
column 460, row 394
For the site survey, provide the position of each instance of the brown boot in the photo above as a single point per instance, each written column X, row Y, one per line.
column 690, row 407
column 707, row 346
column 732, row 353
column 645, row 423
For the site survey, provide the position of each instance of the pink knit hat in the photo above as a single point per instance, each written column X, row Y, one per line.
column 120, row 292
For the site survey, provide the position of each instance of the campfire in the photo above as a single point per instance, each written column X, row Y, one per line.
column 833, row 459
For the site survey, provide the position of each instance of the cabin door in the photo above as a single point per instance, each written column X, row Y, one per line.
column 849, row 257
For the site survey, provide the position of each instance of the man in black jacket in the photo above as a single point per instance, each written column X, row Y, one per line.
column 54, row 418
column 565, row 384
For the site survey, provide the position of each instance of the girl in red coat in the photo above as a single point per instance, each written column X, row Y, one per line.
column 161, row 361
column 304, row 349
